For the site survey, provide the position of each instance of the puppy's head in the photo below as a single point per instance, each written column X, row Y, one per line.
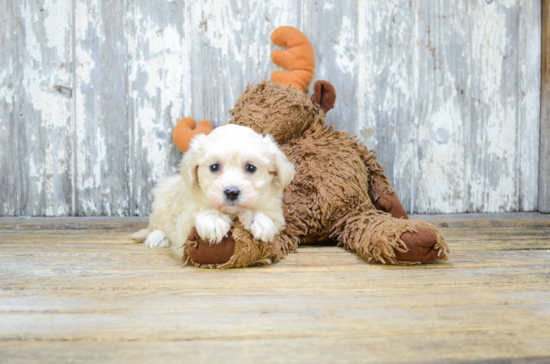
column 233, row 165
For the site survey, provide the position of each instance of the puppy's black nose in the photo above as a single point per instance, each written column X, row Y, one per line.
column 232, row 193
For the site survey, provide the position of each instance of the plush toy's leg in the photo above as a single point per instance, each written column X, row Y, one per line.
column 381, row 192
column 238, row 250
column 378, row 237
column 390, row 203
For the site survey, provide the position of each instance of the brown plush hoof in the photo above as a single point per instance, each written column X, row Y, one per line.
column 420, row 245
column 206, row 253
column 390, row 203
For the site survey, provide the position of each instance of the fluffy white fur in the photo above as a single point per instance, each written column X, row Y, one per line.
column 197, row 197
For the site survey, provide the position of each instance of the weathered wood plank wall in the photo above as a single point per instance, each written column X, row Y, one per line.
column 447, row 92
column 35, row 99
column 544, row 165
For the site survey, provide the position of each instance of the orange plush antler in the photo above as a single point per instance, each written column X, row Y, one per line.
column 183, row 132
column 298, row 59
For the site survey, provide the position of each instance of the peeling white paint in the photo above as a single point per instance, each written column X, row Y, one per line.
column 398, row 69
column 159, row 86
column 440, row 180
column 494, row 184
column 508, row 3
column 328, row 5
column 7, row 93
column 210, row 19
column 345, row 47
column 44, row 54
column 530, row 106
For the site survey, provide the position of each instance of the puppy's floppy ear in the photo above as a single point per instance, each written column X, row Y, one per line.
column 284, row 170
column 190, row 160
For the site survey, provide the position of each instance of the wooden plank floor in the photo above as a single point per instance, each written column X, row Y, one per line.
column 93, row 296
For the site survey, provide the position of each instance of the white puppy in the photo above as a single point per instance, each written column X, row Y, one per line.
column 232, row 172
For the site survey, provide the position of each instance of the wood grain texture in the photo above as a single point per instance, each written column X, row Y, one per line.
column 46, row 107
column 544, row 164
column 36, row 98
column 440, row 110
column 529, row 50
column 332, row 30
column 10, row 170
column 447, row 92
column 494, row 101
column 101, row 95
column 159, row 81
column 230, row 47
column 385, row 79
column 92, row 295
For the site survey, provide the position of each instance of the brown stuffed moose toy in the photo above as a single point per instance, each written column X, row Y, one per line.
column 340, row 193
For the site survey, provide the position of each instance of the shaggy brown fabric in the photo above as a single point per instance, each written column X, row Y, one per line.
column 378, row 238
column 331, row 197
column 379, row 184
column 247, row 251
column 390, row 203
column 282, row 111
column 324, row 95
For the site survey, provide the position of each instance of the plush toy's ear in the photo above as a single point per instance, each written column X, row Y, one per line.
column 185, row 131
column 324, row 95
column 190, row 161
column 282, row 168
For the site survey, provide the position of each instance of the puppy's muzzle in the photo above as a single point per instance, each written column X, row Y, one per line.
column 231, row 194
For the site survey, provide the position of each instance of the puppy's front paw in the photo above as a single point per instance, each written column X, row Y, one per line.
column 263, row 228
column 157, row 239
column 212, row 227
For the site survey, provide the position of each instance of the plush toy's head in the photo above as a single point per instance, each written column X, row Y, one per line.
column 270, row 108
column 280, row 107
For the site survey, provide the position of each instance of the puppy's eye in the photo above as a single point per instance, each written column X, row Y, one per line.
column 214, row 168
column 250, row 168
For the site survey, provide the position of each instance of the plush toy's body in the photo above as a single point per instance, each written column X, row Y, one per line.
column 340, row 192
